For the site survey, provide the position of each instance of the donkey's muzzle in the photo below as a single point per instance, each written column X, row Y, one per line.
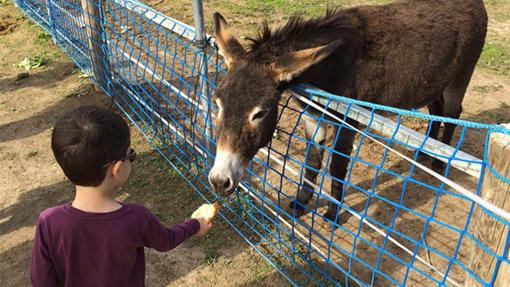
column 226, row 172
column 221, row 183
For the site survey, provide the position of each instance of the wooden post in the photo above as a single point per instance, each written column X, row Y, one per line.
column 488, row 230
column 92, row 20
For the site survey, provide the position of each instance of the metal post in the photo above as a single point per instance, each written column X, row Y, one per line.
column 198, row 11
column 201, row 43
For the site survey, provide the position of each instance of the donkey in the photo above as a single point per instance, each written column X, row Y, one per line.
column 407, row 54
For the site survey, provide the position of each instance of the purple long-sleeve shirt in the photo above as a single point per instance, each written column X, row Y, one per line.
column 77, row 248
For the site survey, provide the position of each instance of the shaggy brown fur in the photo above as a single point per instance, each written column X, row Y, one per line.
column 407, row 54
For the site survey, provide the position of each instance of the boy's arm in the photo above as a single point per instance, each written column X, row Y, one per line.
column 161, row 238
column 42, row 270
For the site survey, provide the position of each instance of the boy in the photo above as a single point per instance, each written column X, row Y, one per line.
column 95, row 240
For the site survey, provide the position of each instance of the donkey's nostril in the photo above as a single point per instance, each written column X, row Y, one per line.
column 227, row 184
column 221, row 183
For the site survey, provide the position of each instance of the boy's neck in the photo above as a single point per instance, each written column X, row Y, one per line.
column 95, row 199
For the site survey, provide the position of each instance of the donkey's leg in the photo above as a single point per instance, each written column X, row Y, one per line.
column 338, row 166
column 315, row 132
column 436, row 108
column 452, row 104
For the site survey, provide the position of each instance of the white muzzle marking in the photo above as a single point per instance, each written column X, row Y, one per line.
column 226, row 171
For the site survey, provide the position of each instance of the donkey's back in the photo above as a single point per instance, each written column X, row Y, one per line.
column 414, row 50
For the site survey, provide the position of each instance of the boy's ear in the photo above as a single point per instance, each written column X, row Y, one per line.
column 115, row 168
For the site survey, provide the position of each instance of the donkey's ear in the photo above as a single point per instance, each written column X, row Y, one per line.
column 228, row 46
column 287, row 67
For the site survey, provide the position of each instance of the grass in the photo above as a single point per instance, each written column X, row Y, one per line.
column 46, row 50
column 49, row 50
column 308, row 8
column 301, row 8
column 248, row 14
column 211, row 256
column 33, row 62
column 496, row 56
column 43, row 36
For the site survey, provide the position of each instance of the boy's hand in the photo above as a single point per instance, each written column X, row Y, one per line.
column 205, row 214
column 205, row 226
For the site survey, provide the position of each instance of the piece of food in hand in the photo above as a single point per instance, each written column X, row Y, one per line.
column 207, row 211
column 214, row 209
column 211, row 211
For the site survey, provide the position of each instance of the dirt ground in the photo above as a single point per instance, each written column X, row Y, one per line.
column 30, row 180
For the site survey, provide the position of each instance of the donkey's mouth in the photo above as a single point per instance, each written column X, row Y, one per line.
column 221, row 191
column 222, row 185
column 225, row 173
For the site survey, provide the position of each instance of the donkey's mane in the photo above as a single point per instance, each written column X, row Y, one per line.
column 298, row 27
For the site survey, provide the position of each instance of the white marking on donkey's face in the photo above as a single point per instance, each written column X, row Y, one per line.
column 226, row 172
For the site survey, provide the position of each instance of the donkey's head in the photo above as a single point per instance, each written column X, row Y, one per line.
column 247, row 99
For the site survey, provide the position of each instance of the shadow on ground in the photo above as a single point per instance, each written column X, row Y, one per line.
column 46, row 118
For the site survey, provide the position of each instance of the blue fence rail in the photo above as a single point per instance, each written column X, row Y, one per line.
column 399, row 225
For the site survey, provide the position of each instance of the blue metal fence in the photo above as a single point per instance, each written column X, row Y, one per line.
column 399, row 225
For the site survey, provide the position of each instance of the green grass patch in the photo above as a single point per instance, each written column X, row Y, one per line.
column 43, row 36
column 496, row 57
column 289, row 8
column 33, row 62
column 302, row 8
column 211, row 256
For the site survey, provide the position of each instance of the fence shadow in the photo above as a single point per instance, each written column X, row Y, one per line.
column 45, row 76
column 46, row 118
column 14, row 265
column 474, row 139
column 28, row 206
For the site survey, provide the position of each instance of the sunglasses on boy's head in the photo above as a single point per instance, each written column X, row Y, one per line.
column 131, row 156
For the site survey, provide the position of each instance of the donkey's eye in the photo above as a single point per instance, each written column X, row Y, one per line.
column 259, row 115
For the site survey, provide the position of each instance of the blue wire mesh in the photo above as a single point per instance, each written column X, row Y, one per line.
column 398, row 225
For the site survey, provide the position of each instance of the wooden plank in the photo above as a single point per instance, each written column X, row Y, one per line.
column 490, row 231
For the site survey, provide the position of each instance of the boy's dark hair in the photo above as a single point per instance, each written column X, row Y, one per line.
column 87, row 138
